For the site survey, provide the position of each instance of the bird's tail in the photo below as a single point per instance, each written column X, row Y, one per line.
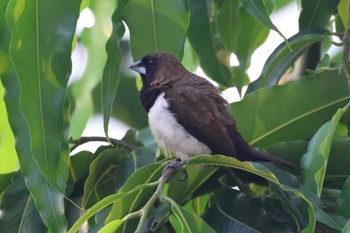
column 247, row 153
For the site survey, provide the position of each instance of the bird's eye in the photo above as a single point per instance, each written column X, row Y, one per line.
column 150, row 62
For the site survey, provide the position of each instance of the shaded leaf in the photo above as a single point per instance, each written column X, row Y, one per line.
column 283, row 57
column 180, row 190
column 5, row 181
column 157, row 26
column 137, row 190
column 248, row 215
column 93, row 210
column 18, row 212
column 189, row 222
column 100, row 182
column 135, row 160
column 346, row 228
column 343, row 202
column 284, row 180
column 314, row 162
column 258, row 10
column 280, row 113
column 204, row 43
column 232, row 22
column 319, row 10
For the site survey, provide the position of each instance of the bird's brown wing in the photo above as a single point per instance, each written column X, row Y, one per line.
column 201, row 110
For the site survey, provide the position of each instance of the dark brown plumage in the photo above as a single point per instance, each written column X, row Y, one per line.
column 197, row 106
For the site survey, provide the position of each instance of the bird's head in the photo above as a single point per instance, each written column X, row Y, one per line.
column 158, row 69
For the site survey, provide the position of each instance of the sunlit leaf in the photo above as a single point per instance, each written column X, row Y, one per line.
column 8, row 155
column 343, row 12
column 94, row 40
column 112, row 226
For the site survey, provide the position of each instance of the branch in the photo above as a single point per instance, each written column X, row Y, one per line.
column 115, row 142
column 143, row 212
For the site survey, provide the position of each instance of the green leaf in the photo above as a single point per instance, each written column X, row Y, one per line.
column 93, row 210
column 284, row 180
column 128, row 108
column 111, row 70
column 144, row 175
column 135, row 160
column 233, row 21
column 343, row 202
column 18, row 212
column 112, row 226
column 40, row 50
column 258, row 10
column 189, row 222
column 283, row 57
column 343, row 12
column 346, row 228
column 157, row 26
column 316, row 13
column 94, row 40
column 100, row 182
column 337, row 168
column 8, row 155
column 138, row 192
column 280, row 113
column 314, row 162
column 5, row 181
column 244, row 214
column 201, row 34
column 180, row 190
column 48, row 201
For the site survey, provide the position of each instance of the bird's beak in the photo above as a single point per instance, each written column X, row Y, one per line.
column 138, row 67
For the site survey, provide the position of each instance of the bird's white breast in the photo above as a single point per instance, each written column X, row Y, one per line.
column 170, row 135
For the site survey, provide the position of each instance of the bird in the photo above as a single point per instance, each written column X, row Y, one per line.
column 187, row 114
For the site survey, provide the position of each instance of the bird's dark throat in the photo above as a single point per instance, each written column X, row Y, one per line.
column 148, row 96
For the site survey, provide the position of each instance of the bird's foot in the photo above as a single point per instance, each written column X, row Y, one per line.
column 174, row 165
column 240, row 184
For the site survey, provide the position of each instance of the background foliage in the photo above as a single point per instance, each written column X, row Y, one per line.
column 45, row 186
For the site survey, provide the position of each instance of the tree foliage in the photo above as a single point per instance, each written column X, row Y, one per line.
column 45, row 186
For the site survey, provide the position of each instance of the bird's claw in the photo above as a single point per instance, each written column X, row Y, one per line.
column 176, row 164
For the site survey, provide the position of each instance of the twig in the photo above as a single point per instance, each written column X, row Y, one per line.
column 115, row 142
column 143, row 212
